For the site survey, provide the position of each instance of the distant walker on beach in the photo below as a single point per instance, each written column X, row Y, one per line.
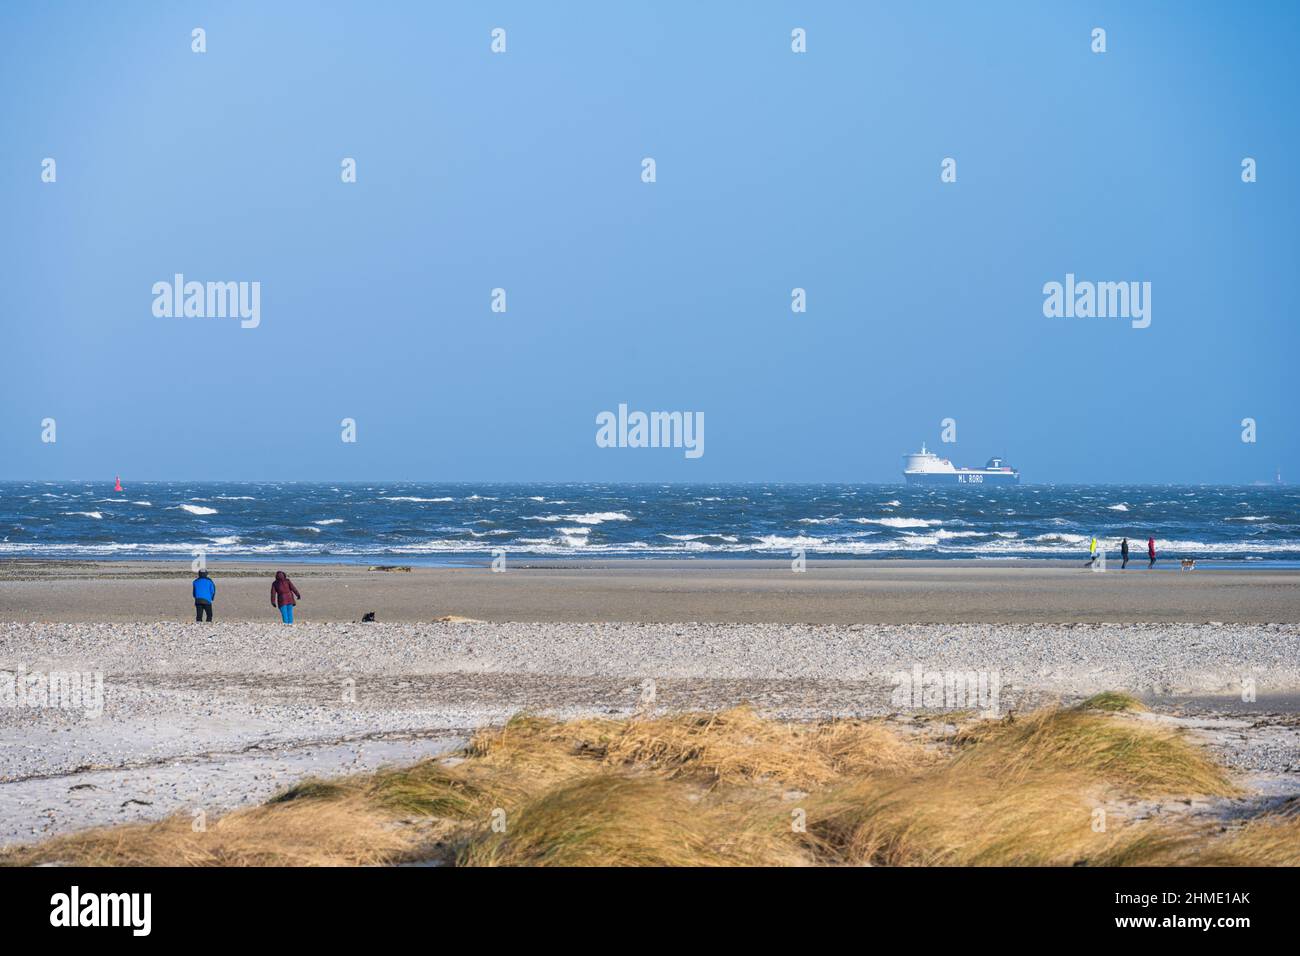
column 1151, row 553
column 283, row 594
column 205, row 590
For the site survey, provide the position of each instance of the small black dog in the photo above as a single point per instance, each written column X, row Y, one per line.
column 368, row 617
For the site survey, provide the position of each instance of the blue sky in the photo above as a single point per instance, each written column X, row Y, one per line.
column 523, row 171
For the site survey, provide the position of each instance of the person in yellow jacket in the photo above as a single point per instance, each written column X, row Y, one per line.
column 1092, row 553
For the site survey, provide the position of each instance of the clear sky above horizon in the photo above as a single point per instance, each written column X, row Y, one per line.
column 523, row 171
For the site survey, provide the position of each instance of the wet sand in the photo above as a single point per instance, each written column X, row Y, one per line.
column 832, row 592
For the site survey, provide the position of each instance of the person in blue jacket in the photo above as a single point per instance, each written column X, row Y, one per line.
column 204, row 591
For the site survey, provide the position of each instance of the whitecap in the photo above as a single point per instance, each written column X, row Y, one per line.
column 899, row 522
column 784, row 543
column 595, row 517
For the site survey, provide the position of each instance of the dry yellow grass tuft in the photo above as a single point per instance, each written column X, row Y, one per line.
column 733, row 746
column 1110, row 700
column 340, row 832
column 616, row 820
column 1272, row 840
column 1137, row 757
column 952, row 817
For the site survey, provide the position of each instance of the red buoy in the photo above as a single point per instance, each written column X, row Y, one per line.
column 118, row 485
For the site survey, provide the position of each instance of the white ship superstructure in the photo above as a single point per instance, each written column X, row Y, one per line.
column 927, row 468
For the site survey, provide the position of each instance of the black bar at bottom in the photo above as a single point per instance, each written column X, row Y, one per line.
column 936, row 905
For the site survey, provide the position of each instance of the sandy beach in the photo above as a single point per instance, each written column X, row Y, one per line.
column 662, row 591
column 212, row 717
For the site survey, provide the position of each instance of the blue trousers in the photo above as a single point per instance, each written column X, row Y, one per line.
column 286, row 613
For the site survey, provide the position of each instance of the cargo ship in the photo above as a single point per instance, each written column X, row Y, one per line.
column 927, row 468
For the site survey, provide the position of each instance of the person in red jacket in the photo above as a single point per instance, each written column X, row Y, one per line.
column 1151, row 552
column 282, row 596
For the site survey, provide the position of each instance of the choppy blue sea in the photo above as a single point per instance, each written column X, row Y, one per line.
column 451, row 523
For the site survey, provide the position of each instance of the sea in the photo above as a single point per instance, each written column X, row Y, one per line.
column 453, row 524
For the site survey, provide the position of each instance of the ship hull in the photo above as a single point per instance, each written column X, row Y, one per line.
column 963, row 478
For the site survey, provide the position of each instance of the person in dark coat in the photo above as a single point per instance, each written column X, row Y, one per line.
column 1151, row 553
column 1123, row 553
column 283, row 594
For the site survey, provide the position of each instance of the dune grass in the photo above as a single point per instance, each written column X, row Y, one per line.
column 340, row 832
column 955, row 818
column 1138, row 757
column 1273, row 840
column 734, row 746
column 618, row 820
column 735, row 788
column 1110, row 700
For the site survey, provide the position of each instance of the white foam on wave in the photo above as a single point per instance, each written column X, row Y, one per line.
column 194, row 509
column 329, row 521
column 891, row 504
column 1058, row 537
column 595, row 517
column 97, row 515
column 1119, row 507
column 410, row 498
column 900, row 522
column 109, row 549
column 560, row 541
column 782, row 542
column 275, row 547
